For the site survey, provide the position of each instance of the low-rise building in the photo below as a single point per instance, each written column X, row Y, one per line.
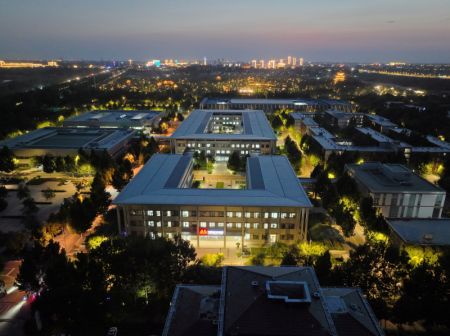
column 257, row 300
column 160, row 201
column 62, row 141
column 423, row 232
column 303, row 122
column 342, row 119
column 137, row 120
column 220, row 133
column 272, row 105
column 397, row 192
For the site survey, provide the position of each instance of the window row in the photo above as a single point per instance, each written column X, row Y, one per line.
column 229, row 214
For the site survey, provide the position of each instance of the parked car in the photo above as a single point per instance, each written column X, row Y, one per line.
column 112, row 331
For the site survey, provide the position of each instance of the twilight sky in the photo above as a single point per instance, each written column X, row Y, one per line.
column 318, row 30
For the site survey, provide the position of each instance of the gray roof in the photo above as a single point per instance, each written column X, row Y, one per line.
column 258, row 300
column 395, row 178
column 68, row 137
column 114, row 117
column 255, row 126
column 279, row 101
column 271, row 182
column 422, row 231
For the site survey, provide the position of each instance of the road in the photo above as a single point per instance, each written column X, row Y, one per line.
column 13, row 309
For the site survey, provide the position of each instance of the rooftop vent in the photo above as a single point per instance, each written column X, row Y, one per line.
column 288, row 291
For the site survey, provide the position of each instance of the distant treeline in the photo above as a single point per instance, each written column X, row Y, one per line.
column 413, row 82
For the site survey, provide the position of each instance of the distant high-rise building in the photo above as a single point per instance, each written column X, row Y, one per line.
column 300, row 61
column 204, row 61
column 339, row 77
column 294, row 62
column 289, row 60
column 271, row 64
column 254, row 64
column 263, row 65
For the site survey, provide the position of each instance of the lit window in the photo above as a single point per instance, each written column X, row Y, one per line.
column 247, row 215
column 169, row 224
column 274, row 215
column 186, row 224
column 273, row 225
column 150, row 213
column 256, row 214
column 185, row 213
column 238, row 225
column 247, row 236
column 292, row 215
column 230, row 214
column 212, row 224
column 158, row 213
column 255, row 225
column 284, row 215
column 266, row 215
column 203, row 224
column 266, row 225
column 220, row 225
column 229, row 225
column 238, row 214
column 151, row 223
column 168, row 213
column 158, row 224
column 247, row 225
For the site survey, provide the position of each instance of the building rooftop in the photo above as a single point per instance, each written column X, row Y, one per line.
column 271, row 181
column 279, row 101
column 255, row 126
column 114, row 116
column 67, row 137
column 306, row 120
column 396, row 178
column 422, row 231
column 381, row 121
column 377, row 136
column 257, row 300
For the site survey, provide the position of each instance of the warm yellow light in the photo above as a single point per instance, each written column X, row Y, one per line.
column 331, row 175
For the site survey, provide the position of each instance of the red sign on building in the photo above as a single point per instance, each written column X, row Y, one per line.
column 203, row 232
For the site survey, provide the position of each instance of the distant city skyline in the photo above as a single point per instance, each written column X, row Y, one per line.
column 345, row 31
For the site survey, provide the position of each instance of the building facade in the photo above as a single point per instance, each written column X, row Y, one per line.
column 397, row 192
column 220, row 133
column 160, row 201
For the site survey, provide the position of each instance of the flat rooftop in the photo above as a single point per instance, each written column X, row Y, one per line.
column 113, row 116
column 271, row 181
column 422, row 231
column 255, row 126
column 287, row 101
column 67, row 137
column 385, row 178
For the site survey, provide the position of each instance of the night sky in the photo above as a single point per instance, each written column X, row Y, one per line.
column 318, row 30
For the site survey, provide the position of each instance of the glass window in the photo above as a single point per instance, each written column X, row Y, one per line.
column 247, row 215
column 169, row 224
column 238, row 214
column 273, row 225
column 158, row 213
column 255, row 225
column 150, row 213
column 256, row 214
column 274, row 214
column 247, row 225
column 284, row 215
column 292, row 215
column 212, row 224
column 186, row 224
column 266, row 225
column 158, row 224
column 168, row 213
column 266, row 215
column 151, row 223
column 220, row 225
column 203, row 224
column 229, row 225
column 230, row 214
column 185, row 213
column 238, row 225
column 247, row 236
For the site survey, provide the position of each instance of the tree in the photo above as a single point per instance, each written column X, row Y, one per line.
column 234, row 161
column 29, row 206
column 122, row 175
column 22, row 191
column 6, row 160
column 293, row 152
column 60, row 164
column 323, row 267
column 48, row 193
column 291, row 257
column 48, row 163
column 99, row 197
column 276, row 122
